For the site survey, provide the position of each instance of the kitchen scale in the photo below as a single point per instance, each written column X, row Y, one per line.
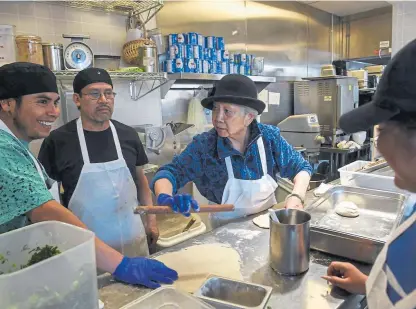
column 78, row 55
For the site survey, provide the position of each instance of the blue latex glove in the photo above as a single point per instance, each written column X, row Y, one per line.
column 180, row 203
column 143, row 271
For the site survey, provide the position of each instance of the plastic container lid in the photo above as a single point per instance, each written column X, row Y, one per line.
column 167, row 298
column 65, row 281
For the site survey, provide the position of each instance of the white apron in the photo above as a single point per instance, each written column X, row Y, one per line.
column 50, row 184
column 247, row 196
column 105, row 198
column 376, row 285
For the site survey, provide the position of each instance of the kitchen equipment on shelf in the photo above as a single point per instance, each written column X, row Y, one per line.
column 29, row 49
column 329, row 98
column 53, row 56
column 167, row 297
column 360, row 238
column 142, row 53
column 328, row 70
column 303, row 131
column 361, row 75
column 78, row 55
column 162, row 143
column 229, row 293
column 168, row 210
column 289, row 242
column 39, row 285
column 7, row 44
column 156, row 36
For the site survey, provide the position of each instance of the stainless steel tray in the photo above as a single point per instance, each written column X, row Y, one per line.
column 359, row 238
column 223, row 293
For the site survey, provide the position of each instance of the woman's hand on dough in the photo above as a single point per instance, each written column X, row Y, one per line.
column 347, row 277
column 294, row 202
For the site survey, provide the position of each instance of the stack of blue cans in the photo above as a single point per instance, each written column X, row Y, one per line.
column 193, row 53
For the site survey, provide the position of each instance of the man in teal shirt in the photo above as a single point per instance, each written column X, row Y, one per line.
column 28, row 107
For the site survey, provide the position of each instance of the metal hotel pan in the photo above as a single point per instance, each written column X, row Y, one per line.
column 223, row 293
column 360, row 238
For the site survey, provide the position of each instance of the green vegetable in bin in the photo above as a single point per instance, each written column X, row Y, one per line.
column 42, row 254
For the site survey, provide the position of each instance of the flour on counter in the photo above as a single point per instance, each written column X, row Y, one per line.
column 242, row 234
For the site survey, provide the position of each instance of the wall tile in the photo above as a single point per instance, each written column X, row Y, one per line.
column 8, row 7
column 103, row 47
column 27, row 26
column 45, row 26
column 74, row 27
column 42, row 10
column 60, row 27
column 26, row 8
column 58, row 12
column 8, row 19
column 73, row 14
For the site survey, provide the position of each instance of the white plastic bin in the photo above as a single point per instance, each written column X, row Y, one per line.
column 65, row 281
column 7, row 44
column 167, row 298
column 350, row 177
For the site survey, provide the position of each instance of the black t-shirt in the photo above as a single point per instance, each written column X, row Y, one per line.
column 61, row 156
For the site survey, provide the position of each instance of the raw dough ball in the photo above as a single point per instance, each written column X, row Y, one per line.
column 262, row 221
column 347, row 209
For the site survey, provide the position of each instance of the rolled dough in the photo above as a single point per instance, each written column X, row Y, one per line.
column 262, row 221
column 194, row 264
column 347, row 209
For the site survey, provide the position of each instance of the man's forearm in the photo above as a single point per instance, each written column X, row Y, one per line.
column 107, row 258
column 301, row 183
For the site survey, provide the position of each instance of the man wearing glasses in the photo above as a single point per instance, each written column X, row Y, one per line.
column 99, row 162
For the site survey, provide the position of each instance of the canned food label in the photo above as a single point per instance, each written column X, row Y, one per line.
column 181, row 38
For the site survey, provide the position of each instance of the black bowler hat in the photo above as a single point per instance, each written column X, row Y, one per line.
column 235, row 89
column 395, row 95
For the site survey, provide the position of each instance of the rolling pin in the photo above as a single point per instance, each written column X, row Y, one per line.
column 168, row 210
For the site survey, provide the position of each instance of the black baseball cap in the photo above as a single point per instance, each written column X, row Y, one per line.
column 91, row 76
column 395, row 95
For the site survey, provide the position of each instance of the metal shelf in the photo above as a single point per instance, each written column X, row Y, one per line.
column 68, row 75
column 137, row 81
column 213, row 77
column 193, row 81
column 125, row 7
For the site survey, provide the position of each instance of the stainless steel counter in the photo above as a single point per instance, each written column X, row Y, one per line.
column 308, row 291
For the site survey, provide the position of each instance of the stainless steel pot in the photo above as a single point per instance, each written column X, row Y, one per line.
column 53, row 56
column 290, row 242
column 147, row 58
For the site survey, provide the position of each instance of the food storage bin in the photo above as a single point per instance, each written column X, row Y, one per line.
column 29, row 49
column 7, row 46
column 380, row 179
column 167, row 297
column 65, row 281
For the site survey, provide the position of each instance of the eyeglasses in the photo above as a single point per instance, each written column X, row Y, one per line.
column 95, row 95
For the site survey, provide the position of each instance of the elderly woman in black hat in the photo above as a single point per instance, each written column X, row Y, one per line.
column 237, row 161
column 392, row 281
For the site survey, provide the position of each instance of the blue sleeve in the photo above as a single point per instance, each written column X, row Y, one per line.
column 289, row 160
column 184, row 167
